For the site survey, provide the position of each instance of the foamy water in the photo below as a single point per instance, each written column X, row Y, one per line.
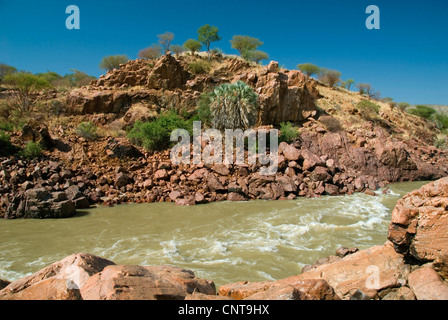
column 223, row 242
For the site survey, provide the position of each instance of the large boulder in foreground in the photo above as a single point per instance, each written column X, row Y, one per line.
column 419, row 225
column 60, row 281
column 145, row 283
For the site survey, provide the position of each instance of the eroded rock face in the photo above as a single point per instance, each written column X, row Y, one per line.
column 420, row 222
column 144, row 283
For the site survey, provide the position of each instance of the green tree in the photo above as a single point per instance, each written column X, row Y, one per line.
column 367, row 89
column 112, row 62
column 165, row 40
column 152, row 52
column 208, row 34
column 233, row 106
column 192, row 45
column 403, row 106
column 6, row 70
column 25, row 86
column 309, row 69
column 257, row 56
column 245, row 44
column 348, row 83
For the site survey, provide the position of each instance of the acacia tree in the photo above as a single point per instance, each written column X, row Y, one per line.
column 309, row 69
column 177, row 49
column 192, row 45
column 366, row 89
column 112, row 62
column 208, row 34
column 152, row 52
column 245, row 45
column 258, row 56
column 348, row 83
column 165, row 40
column 6, row 70
column 25, row 86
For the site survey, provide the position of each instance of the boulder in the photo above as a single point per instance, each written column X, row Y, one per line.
column 144, row 283
column 427, row 284
column 368, row 271
column 419, row 225
column 60, row 281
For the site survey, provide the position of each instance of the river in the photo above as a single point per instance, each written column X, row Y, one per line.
column 224, row 242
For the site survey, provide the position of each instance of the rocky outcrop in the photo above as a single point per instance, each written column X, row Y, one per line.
column 420, row 222
column 166, row 83
column 144, row 283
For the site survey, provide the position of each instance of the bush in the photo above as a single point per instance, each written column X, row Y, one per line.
column 199, row 67
column 403, row 106
column 233, row 106
column 32, row 150
column 330, row 77
column 155, row 135
column 309, row 69
column 369, row 111
column 289, row 133
column 113, row 62
column 192, row 45
column 422, row 112
column 441, row 121
column 87, row 130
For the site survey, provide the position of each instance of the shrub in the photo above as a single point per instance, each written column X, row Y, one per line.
column 6, row 70
column 441, row 121
column 32, row 150
column 233, row 106
column 403, row 106
column 441, row 141
column 155, row 135
column 192, row 45
column 87, row 130
column 288, row 132
column 176, row 49
column 113, row 62
column 199, row 67
column 309, row 69
column 203, row 113
column 368, row 110
column 25, row 86
column 330, row 77
column 331, row 123
column 366, row 89
column 245, row 45
column 422, row 111
column 152, row 52
column 257, row 56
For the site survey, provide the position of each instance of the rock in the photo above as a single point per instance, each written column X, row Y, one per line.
column 144, row 283
column 440, row 265
column 73, row 193
column 291, row 153
column 4, row 283
column 82, row 203
column 287, row 183
column 427, row 284
column 310, row 160
column 60, row 281
column 369, row 270
column 221, row 169
column 320, row 174
column 233, row 196
column 200, row 296
column 161, row 174
column 403, row 293
column 174, row 195
column 272, row 67
column 419, row 225
column 285, row 289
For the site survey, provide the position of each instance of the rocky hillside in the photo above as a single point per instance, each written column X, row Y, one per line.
column 344, row 146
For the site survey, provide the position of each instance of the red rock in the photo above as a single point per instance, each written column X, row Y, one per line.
column 161, row 174
column 427, row 284
column 144, row 283
column 291, row 153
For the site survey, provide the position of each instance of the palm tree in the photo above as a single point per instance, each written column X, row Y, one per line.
column 233, row 106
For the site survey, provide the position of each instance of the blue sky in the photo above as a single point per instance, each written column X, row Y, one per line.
column 406, row 59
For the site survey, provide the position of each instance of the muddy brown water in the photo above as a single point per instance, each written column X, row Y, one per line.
column 224, row 242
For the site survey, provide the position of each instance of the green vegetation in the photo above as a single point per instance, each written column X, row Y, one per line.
column 245, row 45
column 289, row 133
column 87, row 130
column 347, row 84
column 155, row 135
column 369, row 111
column 366, row 89
column 152, row 52
column 422, row 112
column 309, row 69
column 25, row 86
column 233, row 106
column 177, row 49
column 257, row 56
column 207, row 35
column 193, row 46
column 32, row 150
column 403, row 106
column 113, row 62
